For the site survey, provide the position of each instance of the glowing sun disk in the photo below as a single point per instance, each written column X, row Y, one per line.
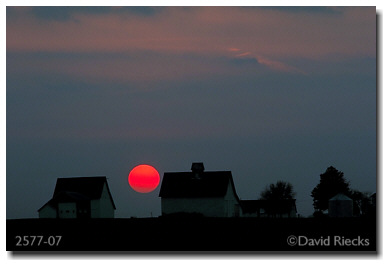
column 144, row 178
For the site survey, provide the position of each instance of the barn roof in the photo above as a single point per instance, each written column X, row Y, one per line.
column 89, row 186
column 196, row 184
column 79, row 188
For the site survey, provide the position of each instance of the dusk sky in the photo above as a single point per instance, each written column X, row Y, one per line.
column 273, row 93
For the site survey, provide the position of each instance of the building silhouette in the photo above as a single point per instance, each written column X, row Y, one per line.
column 340, row 205
column 209, row 193
column 80, row 197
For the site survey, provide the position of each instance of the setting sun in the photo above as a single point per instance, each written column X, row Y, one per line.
column 144, row 178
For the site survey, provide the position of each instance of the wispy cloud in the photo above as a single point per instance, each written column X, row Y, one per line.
column 270, row 36
column 272, row 64
column 268, row 32
column 243, row 54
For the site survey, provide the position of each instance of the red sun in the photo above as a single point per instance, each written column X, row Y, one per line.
column 144, row 178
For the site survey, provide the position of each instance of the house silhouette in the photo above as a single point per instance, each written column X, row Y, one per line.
column 80, row 197
column 209, row 193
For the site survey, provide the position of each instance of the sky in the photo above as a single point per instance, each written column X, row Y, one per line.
column 272, row 93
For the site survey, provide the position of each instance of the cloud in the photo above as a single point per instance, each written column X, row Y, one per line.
column 279, row 66
column 176, row 42
column 204, row 30
column 243, row 54
column 272, row 64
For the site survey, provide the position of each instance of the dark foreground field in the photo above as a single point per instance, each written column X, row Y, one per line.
column 193, row 234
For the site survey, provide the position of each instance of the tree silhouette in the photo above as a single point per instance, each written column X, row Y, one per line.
column 278, row 197
column 361, row 202
column 331, row 183
column 279, row 191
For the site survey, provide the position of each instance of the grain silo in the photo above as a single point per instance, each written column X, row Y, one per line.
column 340, row 206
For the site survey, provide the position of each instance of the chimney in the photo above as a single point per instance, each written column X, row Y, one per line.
column 197, row 168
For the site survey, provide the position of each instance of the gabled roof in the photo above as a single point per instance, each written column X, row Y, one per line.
column 88, row 186
column 78, row 189
column 196, row 184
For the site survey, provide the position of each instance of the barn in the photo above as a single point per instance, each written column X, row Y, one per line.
column 208, row 193
column 80, row 197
